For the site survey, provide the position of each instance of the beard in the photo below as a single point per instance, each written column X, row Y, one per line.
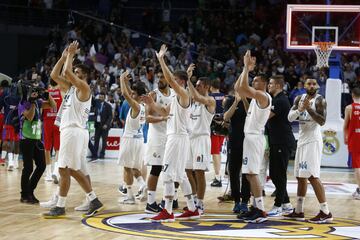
column 311, row 92
column 162, row 86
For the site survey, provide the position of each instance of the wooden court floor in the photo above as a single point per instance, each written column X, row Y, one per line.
column 22, row 221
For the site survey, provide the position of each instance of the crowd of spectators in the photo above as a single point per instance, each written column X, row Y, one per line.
column 214, row 40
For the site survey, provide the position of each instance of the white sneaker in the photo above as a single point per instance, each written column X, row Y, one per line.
column 275, row 212
column 51, row 203
column 10, row 167
column 48, row 178
column 287, row 208
column 141, row 195
column 127, row 200
column 356, row 194
column 85, row 205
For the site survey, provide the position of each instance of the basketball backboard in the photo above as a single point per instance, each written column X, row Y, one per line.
column 306, row 24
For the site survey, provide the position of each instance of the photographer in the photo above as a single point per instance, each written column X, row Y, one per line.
column 33, row 99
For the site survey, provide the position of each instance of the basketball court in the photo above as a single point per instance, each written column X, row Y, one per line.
column 328, row 30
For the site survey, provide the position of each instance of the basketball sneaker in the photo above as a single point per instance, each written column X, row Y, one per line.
column 175, row 204
column 127, row 200
column 244, row 215
column 122, row 190
column 322, row 218
column 275, row 212
column 356, row 194
column 216, row 183
column 10, row 167
column 55, row 178
column 187, row 214
column 287, row 208
column 55, row 212
column 51, row 203
column 95, row 207
column 141, row 195
column 240, row 208
column 2, row 161
column 85, row 206
column 152, row 208
column 295, row 216
column 163, row 216
column 258, row 216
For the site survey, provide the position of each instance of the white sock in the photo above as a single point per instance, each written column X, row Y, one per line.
column 200, row 203
column 91, row 195
column 168, row 205
column 57, row 191
column 190, row 203
column 48, row 170
column 61, row 202
column 218, row 177
column 141, row 181
column 176, row 194
column 260, row 203
column 196, row 200
column 56, row 169
column 3, row 154
column 129, row 192
column 151, row 197
column 300, row 202
column 11, row 158
column 324, row 207
column 16, row 157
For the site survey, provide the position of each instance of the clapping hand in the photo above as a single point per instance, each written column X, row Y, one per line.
column 73, row 47
column 190, row 70
column 249, row 61
column 162, row 51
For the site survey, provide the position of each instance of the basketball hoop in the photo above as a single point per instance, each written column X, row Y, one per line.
column 323, row 51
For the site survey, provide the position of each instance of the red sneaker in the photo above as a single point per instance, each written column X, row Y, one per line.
column 2, row 161
column 187, row 214
column 163, row 216
column 322, row 218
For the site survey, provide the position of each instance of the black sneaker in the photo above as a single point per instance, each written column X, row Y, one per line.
column 24, row 199
column 245, row 215
column 95, row 207
column 216, row 183
column 175, row 204
column 258, row 216
column 122, row 190
column 152, row 208
column 55, row 212
column 33, row 200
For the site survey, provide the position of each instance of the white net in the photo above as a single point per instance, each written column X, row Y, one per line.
column 323, row 51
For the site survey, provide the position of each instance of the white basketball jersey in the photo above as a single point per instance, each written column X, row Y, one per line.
column 134, row 126
column 179, row 118
column 257, row 117
column 200, row 120
column 159, row 129
column 309, row 130
column 74, row 113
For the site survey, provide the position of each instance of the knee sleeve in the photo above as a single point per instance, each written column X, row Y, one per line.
column 186, row 187
column 156, row 170
column 169, row 188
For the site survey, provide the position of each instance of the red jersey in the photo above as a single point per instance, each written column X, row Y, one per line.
column 354, row 129
column 50, row 114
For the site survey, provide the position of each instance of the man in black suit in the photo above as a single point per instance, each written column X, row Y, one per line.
column 104, row 116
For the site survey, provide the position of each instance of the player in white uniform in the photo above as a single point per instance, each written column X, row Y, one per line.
column 310, row 110
column 177, row 143
column 156, row 140
column 132, row 142
column 202, row 113
column 74, row 137
column 254, row 141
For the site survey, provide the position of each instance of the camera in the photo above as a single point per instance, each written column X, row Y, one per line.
column 27, row 89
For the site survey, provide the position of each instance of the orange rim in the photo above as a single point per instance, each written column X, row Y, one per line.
column 324, row 46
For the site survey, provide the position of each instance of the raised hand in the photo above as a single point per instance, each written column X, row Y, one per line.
column 190, row 70
column 162, row 51
column 125, row 76
column 252, row 64
column 65, row 53
column 247, row 59
column 73, row 47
